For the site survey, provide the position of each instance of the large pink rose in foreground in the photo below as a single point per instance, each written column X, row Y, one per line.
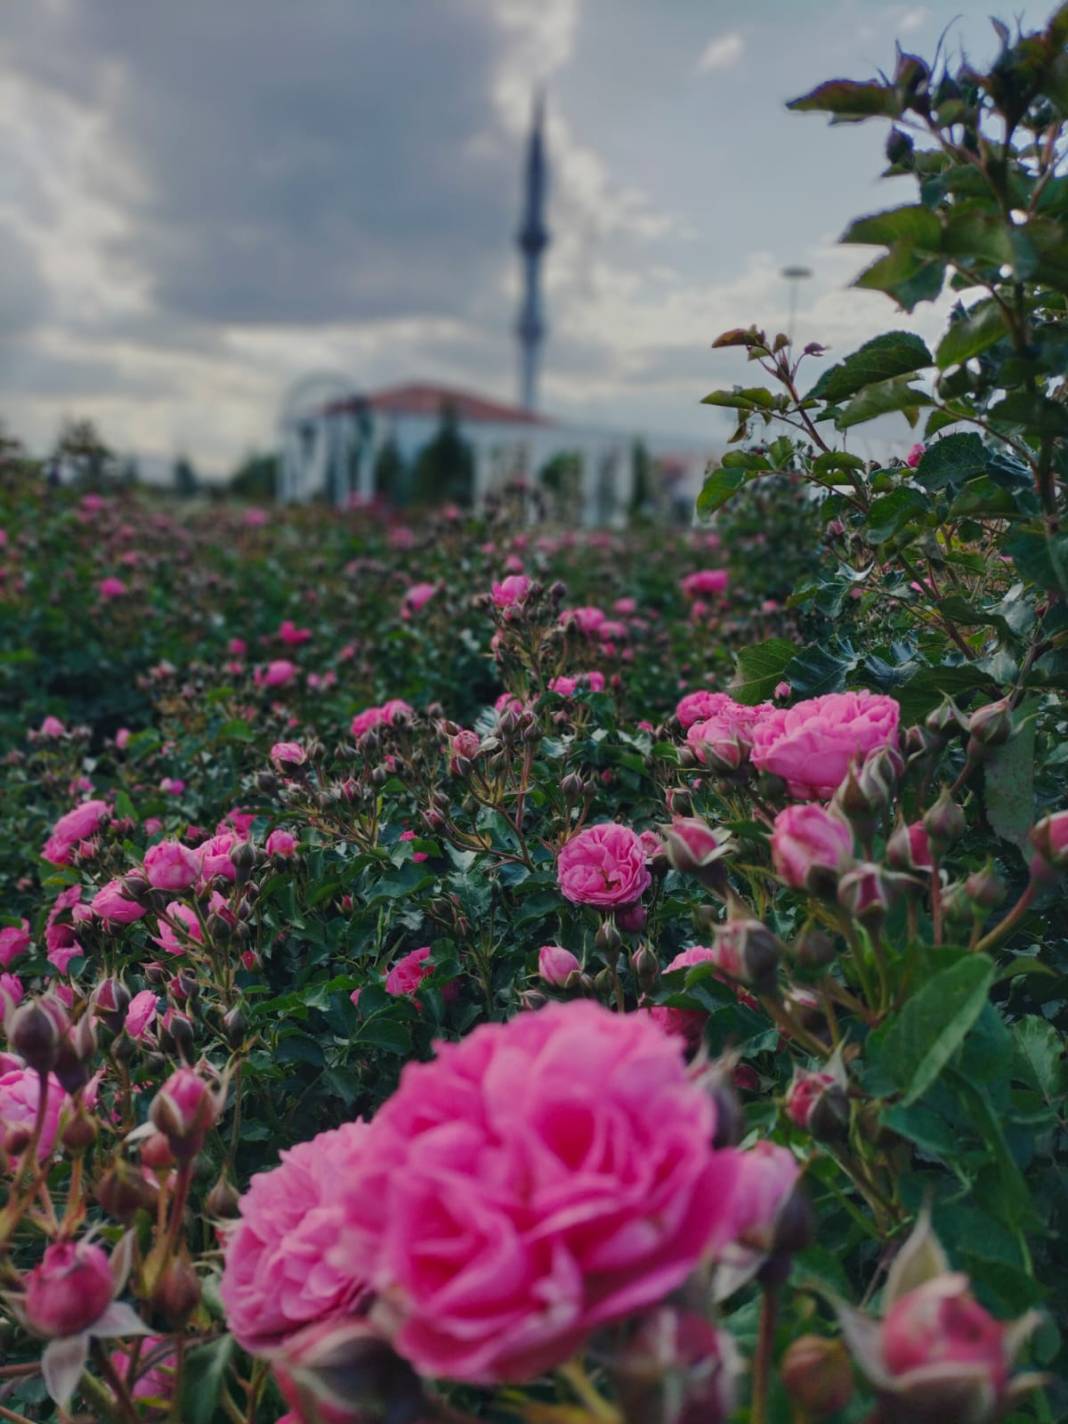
column 536, row 1180
column 277, row 1277
column 811, row 744
column 603, row 865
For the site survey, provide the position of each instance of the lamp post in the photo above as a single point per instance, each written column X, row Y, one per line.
column 794, row 275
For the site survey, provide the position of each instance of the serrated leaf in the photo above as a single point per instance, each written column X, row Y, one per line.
column 912, row 223
column 849, row 100
column 894, row 353
column 885, row 398
column 951, row 460
column 760, row 669
column 718, row 488
column 1040, row 1050
column 890, row 514
column 742, row 398
column 979, row 329
column 1009, row 788
column 927, row 1032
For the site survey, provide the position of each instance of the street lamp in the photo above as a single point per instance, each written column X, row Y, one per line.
column 795, row 276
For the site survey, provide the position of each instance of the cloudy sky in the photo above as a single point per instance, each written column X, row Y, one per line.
column 203, row 200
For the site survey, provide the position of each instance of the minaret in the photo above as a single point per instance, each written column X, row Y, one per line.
column 533, row 238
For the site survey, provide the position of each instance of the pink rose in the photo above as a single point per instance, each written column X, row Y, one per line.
column 603, row 865
column 810, row 846
column 285, row 754
column 281, row 843
column 465, row 745
column 937, row 1337
column 765, row 1182
column 417, row 597
column 19, row 1099
column 687, row 1024
column 700, row 706
column 704, row 582
column 588, row 619
column 409, row 972
column 278, row 673
column 289, row 633
column 278, row 1276
column 169, row 938
column 716, row 743
column 11, row 995
column 14, row 941
column 803, row 1094
column 812, row 744
column 73, row 828
column 69, row 1290
column 537, row 1180
column 169, row 865
column 112, row 906
column 418, row 856
column 140, row 1014
column 184, row 1109
column 385, row 716
column 237, row 647
column 52, row 727
column 556, row 964
column 512, row 589
column 915, row 455
column 111, row 587
column 625, row 606
column 122, row 738
column 172, row 786
column 214, row 856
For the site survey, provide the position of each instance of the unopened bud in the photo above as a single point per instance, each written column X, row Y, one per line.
column 184, row 1109
column 234, row 1027
column 156, row 1153
column 608, row 940
column 991, row 726
column 79, row 1134
column 123, row 1191
column 814, row 949
column 646, row 968
column 986, row 888
column 76, row 1051
column 224, row 1200
column 944, row 822
column 818, row 1375
column 869, row 891
column 176, row 1293
column 36, row 1032
column 945, row 721
column 749, row 952
column 110, row 1000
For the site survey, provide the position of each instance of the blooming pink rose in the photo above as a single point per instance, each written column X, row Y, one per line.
column 140, row 1014
column 76, row 826
column 417, row 597
column 214, row 857
column 52, row 727
column 812, row 744
column 766, row 1177
column 169, row 865
column 69, row 1290
column 255, row 518
column 625, row 606
column 556, row 964
column 122, row 738
column 507, row 703
column 588, row 619
column 687, row 1024
column 168, row 938
column 385, row 716
column 112, row 906
column 701, row 705
column 282, row 843
column 289, row 633
column 14, row 941
column 19, row 1098
column 915, row 455
column 285, row 754
column 565, row 686
column 512, row 589
column 809, row 844
column 237, row 647
column 278, row 1276
column 704, row 582
column 603, row 865
column 172, row 786
column 111, row 587
column 539, row 1179
column 278, row 673
column 409, row 972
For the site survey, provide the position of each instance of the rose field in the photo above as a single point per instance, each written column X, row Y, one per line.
column 458, row 968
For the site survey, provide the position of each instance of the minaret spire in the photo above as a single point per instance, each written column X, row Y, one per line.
column 532, row 238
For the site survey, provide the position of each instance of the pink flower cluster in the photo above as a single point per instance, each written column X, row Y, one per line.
column 71, row 830
column 383, row 716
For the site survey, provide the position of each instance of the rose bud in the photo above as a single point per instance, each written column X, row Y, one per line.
column 957, row 904
column 531, row 1000
column 990, row 726
column 920, row 744
column 909, row 848
column 810, row 846
column 110, row 1000
column 123, row 1191
column 184, row 1110
column 748, row 951
column 631, row 919
column 868, row 892
column 176, row 1292
column 69, row 1290
column 772, row 1218
column 944, row 822
column 719, row 1082
column 945, row 721
column 986, row 888
column 646, row 968
column 817, row 1103
column 36, row 1032
column 677, row 1369
column 224, row 1200
column 818, row 1375
column 156, row 1153
column 608, row 939
column 693, row 847
column 77, row 1049
column 879, row 776
column 556, row 964
column 814, row 949
column 79, row 1134
column 1050, row 839
column 348, row 1373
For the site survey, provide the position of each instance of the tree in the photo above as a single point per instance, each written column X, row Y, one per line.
column 186, row 483
column 641, row 488
column 81, row 446
column 256, row 477
column 391, row 474
column 445, row 467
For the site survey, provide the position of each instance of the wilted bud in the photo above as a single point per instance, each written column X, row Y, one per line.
column 677, row 1369
column 36, row 1032
column 123, row 1191
column 184, row 1110
column 944, row 822
column 818, row 1375
column 817, row 1103
column 991, row 726
column 695, row 848
column 350, row 1374
column 868, row 892
column 748, row 951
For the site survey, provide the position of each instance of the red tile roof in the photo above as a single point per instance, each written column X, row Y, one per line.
column 429, row 400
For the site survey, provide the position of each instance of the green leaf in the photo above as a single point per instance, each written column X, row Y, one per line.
column 718, row 488
column 747, row 398
column 927, row 1032
column 951, row 460
column 849, row 101
column 817, row 670
column 982, row 325
column 835, row 462
column 913, row 223
column 202, row 1380
column 236, row 730
column 890, row 513
column 895, row 353
column 886, row 398
column 904, row 276
column 1027, row 410
column 1040, row 559
column 1010, row 786
column 760, row 669
column 1040, row 1051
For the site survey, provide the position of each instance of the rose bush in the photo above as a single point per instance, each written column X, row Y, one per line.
column 479, row 970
